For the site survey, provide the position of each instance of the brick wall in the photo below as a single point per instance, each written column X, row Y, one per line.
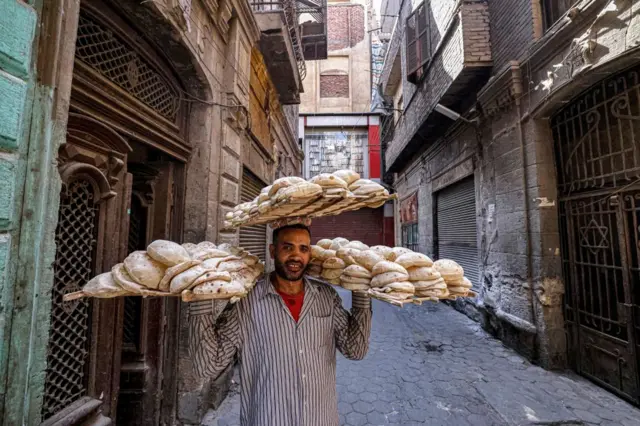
column 511, row 30
column 364, row 225
column 345, row 26
column 334, row 86
column 477, row 42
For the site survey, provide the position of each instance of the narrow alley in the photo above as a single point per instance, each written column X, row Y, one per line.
column 433, row 365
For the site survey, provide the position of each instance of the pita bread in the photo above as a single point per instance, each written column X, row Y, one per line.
column 167, row 252
column 284, row 182
column 184, row 280
column 346, row 254
column 264, row 195
column 250, row 259
column 331, row 274
column 423, row 273
column 399, row 287
column 357, row 271
column 264, row 207
column 458, row 290
column 358, row 183
column 357, row 245
column 122, row 278
column 219, row 289
column 367, row 258
column 388, row 278
column 369, row 189
column 208, row 253
column 349, row 176
column 325, row 243
column 435, row 284
column 190, row 248
column 104, row 287
column 410, row 260
column 396, row 252
column 231, row 265
column 391, row 296
column 328, row 180
column 383, row 251
column 170, row 273
column 449, row 269
column 316, row 262
column 144, row 270
column 354, row 287
column 246, row 276
column 335, row 192
column 386, row 266
column 354, row 280
column 334, row 263
column 316, row 252
column 212, row 276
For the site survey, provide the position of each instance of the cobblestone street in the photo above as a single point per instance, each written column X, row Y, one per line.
column 432, row 365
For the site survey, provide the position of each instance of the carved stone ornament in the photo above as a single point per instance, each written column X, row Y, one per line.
column 235, row 114
column 181, row 10
column 225, row 11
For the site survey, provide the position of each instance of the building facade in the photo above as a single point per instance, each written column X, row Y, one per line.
column 533, row 187
column 126, row 122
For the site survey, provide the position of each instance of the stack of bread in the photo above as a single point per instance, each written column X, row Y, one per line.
column 453, row 274
column 322, row 195
column 194, row 271
column 391, row 282
column 427, row 281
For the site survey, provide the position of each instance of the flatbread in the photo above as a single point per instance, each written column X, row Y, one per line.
column 219, row 289
column 367, row 258
column 231, row 266
column 208, row 253
column 354, row 287
column 328, row 180
column 144, row 270
column 325, row 243
column 399, row 287
column 331, row 274
column 103, row 286
column 346, row 254
column 354, row 280
column 190, row 248
column 386, row 266
column 334, row 263
column 449, row 269
column 388, row 278
column 170, row 273
column 349, row 176
column 413, row 259
column 357, row 271
column 212, row 276
column 167, row 252
column 383, row 251
column 186, row 279
column 435, row 284
column 423, row 273
column 284, row 182
column 396, row 252
column 358, row 245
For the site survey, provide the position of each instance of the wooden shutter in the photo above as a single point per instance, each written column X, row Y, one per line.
column 457, row 235
column 252, row 238
column 418, row 42
column 412, row 40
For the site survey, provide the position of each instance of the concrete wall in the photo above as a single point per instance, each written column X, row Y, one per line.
column 349, row 55
column 510, row 154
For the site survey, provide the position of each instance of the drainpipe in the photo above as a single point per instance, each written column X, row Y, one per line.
column 518, row 91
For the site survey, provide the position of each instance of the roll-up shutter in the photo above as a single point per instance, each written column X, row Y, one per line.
column 457, row 237
column 252, row 238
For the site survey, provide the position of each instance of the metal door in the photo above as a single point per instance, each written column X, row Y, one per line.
column 598, row 160
column 252, row 238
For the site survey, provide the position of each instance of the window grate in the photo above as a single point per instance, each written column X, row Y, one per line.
column 69, row 328
column 103, row 51
column 331, row 151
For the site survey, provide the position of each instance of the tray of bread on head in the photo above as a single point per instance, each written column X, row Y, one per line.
column 394, row 275
column 193, row 272
column 326, row 194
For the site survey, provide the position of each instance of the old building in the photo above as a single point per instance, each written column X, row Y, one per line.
column 124, row 122
column 533, row 189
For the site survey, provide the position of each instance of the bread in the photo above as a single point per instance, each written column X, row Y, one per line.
column 283, row 182
column 349, row 176
column 328, row 180
column 391, row 296
column 383, row 251
column 144, row 270
column 387, row 278
column 316, row 252
column 358, row 183
column 219, row 289
column 399, row 287
column 354, row 280
column 423, row 273
column 357, row 245
column 410, row 260
column 316, row 262
column 449, row 269
column 369, row 189
column 435, row 284
column 185, row 280
column 331, row 274
column 396, row 252
column 167, row 252
column 170, row 273
column 231, row 265
column 122, row 278
column 346, row 254
column 208, row 253
column 386, row 266
column 212, row 276
column 367, row 258
column 103, row 286
column 357, row 271
column 325, row 243
column 190, row 248
column 298, row 191
column 354, row 286
column 250, row 259
column 334, row 263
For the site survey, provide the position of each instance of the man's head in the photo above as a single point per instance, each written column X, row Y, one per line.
column 291, row 251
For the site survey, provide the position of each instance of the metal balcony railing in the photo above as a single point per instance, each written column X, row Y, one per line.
column 290, row 12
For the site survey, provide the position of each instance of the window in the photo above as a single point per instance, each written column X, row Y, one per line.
column 410, row 236
column 418, row 42
column 553, row 10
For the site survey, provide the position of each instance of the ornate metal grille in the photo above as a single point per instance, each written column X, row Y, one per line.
column 102, row 50
column 597, row 136
column 69, row 330
column 598, row 176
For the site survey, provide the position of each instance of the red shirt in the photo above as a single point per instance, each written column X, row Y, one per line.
column 294, row 303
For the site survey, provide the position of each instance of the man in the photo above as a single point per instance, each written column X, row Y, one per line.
column 285, row 334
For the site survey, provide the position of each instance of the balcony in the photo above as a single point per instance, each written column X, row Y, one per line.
column 313, row 28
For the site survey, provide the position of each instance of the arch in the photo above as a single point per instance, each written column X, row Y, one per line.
column 92, row 130
column 75, row 171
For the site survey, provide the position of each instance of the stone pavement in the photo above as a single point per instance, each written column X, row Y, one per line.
column 432, row 365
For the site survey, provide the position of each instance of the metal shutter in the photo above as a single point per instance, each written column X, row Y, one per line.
column 457, row 233
column 252, row 238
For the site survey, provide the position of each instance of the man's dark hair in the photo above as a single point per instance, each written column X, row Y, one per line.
column 276, row 232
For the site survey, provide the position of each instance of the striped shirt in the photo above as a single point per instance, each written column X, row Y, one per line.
column 287, row 369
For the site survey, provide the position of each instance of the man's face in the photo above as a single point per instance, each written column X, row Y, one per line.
column 291, row 253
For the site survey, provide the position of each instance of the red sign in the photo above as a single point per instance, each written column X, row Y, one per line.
column 409, row 209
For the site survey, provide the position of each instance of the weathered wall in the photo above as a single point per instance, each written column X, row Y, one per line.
column 510, row 154
column 326, row 88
